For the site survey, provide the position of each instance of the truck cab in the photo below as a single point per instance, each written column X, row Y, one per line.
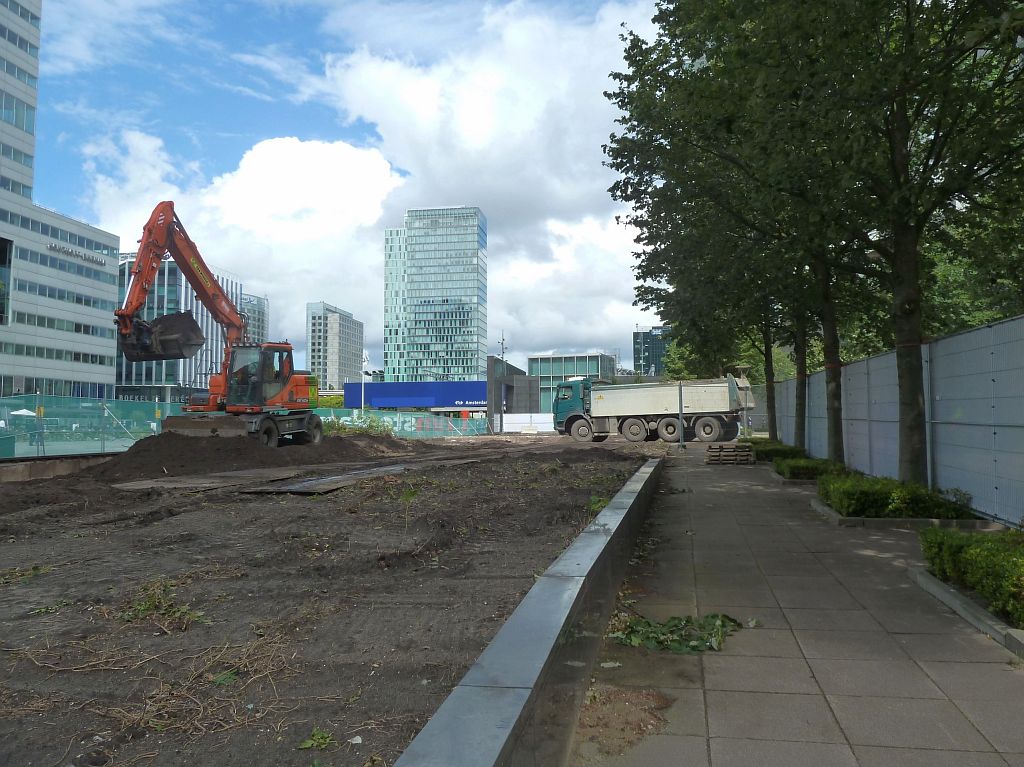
column 572, row 398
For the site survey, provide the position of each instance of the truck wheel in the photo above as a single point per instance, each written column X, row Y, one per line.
column 634, row 430
column 732, row 431
column 708, row 429
column 268, row 434
column 581, row 430
column 668, row 429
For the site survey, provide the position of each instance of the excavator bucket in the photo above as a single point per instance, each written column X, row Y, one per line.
column 170, row 337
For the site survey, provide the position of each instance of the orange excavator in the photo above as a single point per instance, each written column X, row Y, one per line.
column 257, row 391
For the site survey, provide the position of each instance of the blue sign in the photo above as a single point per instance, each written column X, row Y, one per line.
column 451, row 395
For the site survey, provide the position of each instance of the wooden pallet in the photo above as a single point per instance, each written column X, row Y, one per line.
column 729, row 454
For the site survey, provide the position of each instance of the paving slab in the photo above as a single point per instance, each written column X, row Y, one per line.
column 744, row 752
column 842, row 660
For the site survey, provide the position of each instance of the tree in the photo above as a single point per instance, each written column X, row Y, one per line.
column 847, row 130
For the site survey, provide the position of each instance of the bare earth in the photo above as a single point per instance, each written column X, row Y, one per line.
column 207, row 625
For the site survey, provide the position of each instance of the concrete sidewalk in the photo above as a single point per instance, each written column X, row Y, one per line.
column 849, row 662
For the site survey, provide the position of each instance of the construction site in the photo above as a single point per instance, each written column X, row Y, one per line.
column 154, row 612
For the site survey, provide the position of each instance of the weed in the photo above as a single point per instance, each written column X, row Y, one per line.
column 156, row 602
column 597, row 503
column 225, row 678
column 686, row 636
column 49, row 609
column 20, row 575
column 318, row 739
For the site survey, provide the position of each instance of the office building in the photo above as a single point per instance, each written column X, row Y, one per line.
column 334, row 346
column 58, row 276
column 257, row 314
column 553, row 369
column 172, row 380
column 649, row 345
column 435, row 296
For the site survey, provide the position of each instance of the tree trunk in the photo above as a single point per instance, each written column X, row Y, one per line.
column 800, row 405
column 769, row 380
column 906, row 320
column 833, row 362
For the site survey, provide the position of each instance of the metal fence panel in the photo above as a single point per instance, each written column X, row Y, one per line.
column 975, row 416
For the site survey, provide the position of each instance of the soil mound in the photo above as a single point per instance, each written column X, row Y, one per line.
column 173, row 454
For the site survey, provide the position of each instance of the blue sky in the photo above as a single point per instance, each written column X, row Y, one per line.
column 290, row 133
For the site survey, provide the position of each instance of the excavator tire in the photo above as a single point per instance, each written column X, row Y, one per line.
column 268, row 434
column 314, row 433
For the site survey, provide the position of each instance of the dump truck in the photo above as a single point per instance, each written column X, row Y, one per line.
column 712, row 410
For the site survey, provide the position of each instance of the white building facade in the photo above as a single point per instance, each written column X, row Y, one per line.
column 334, row 345
column 58, row 276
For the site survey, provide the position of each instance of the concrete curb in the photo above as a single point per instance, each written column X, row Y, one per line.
column 1010, row 638
column 22, row 471
column 893, row 523
column 518, row 704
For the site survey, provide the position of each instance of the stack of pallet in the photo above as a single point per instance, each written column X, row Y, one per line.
column 733, row 453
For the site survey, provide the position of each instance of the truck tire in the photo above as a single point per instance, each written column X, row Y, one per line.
column 668, row 429
column 581, row 430
column 268, row 434
column 732, row 431
column 634, row 430
column 708, row 429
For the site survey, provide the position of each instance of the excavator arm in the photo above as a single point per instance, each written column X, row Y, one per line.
column 172, row 336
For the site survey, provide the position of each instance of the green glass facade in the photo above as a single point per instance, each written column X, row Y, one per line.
column 552, row 370
column 435, row 296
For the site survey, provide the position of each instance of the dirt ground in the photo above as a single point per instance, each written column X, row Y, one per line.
column 177, row 625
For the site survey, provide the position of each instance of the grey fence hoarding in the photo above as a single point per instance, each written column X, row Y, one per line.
column 974, row 403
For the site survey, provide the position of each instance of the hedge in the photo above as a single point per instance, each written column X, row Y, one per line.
column 771, row 451
column 806, row 468
column 856, row 495
column 992, row 564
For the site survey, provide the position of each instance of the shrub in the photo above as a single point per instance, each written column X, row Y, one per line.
column 806, row 468
column 992, row 564
column 855, row 495
column 367, row 424
column 771, row 451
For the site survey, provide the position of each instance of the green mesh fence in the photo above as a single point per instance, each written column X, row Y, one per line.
column 32, row 425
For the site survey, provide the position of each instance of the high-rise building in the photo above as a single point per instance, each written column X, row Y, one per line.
column 58, row 276
column 334, row 345
column 170, row 380
column 257, row 314
column 649, row 346
column 435, row 296
column 553, row 369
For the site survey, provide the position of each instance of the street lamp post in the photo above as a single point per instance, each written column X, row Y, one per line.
column 362, row 381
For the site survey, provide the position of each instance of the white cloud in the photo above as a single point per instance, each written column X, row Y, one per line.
column 296, row 221
column 509, row 117
column 86, row 34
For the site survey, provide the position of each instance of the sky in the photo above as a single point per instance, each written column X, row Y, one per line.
column 291, row 133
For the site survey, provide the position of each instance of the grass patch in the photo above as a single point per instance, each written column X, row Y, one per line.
column 685, row 636
column 857, row 495
column 991, row 564
column 22, row 574
column 156, row 602
column 806, row 468
column 366, row 424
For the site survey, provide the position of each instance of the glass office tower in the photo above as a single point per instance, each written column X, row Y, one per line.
column 435, row 296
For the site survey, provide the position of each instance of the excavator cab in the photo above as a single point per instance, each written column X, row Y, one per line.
column 169, row 337
column 257, row 374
